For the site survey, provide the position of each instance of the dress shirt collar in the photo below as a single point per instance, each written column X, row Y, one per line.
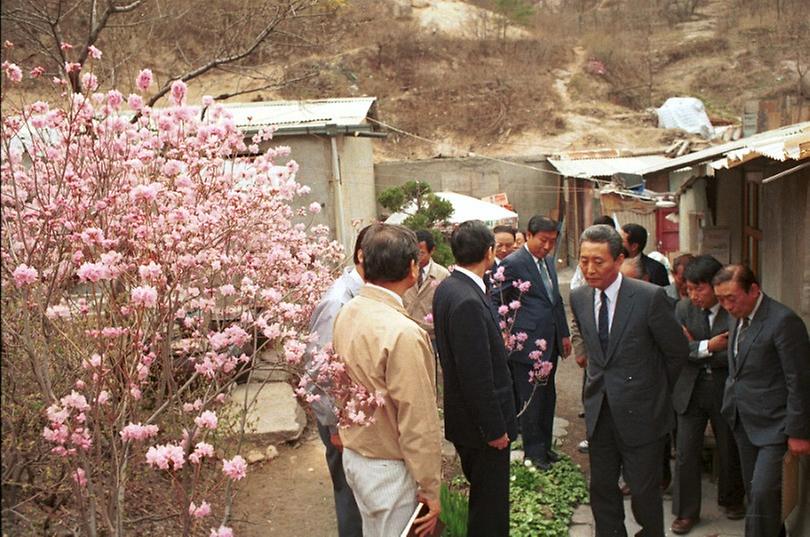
column 536, row 259
column 390, row 292
column 756, row 307
column 713, row 311
column 612, row 291
column 426, row 270
column 354, row 277
column 474, row 277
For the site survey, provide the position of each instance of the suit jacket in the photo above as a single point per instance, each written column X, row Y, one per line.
column 479, row 404
column 538, row 316
column 387, row 352
column 339, row 293
column 647, row 349
column 657, row 271
column 768, row 386
column 693, row 319
column 419, row 300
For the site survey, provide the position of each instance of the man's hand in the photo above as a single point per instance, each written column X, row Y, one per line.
column 500, row 443
column 688, row 334
column 582, row 361
column 426, row 524
column 566, row 341
column 336, row 441
column 718, row 342
column 799, row 446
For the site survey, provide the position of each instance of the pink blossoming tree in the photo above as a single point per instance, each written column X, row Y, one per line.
column 148, row 256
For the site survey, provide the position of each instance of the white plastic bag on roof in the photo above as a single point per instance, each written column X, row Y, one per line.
column 686, row 113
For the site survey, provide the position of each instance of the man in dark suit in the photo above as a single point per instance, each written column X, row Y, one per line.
column 479, row 409
column 635, row 350
column 541, row 316
column 635, row 239
column 767, row 395
column 698, row 397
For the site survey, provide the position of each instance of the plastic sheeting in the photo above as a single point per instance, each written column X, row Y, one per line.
column 685, row 113
column 466, row 208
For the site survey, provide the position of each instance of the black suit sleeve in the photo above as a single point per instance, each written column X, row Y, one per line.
column 473, row 360
column 668, row 334
column 793, row 348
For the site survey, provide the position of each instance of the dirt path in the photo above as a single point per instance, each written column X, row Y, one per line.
column 290, row 496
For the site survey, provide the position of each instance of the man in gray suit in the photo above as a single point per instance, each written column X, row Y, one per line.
column 635, row 350
column 767, row 396
column 346, row 287
column 698, row 396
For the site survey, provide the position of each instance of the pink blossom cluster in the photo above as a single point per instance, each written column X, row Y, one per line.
column 126, row 234
column 138, row 432
column 352, row 402
column 235, row 468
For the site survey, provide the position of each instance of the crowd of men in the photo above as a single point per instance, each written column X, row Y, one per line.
column 661, row 360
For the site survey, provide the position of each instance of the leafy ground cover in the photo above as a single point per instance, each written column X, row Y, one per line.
column 542, row 503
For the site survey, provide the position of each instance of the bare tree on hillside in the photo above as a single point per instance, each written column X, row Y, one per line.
column 188, row 38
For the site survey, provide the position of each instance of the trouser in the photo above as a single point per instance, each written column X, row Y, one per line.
column 350, row 524
column 641, row 466
column 704, row 406
column 384, row 490
column 487, row 470
column 762, row 475
column 537, row 422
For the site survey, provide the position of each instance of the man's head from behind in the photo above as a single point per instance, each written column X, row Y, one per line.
column 504, row 241
column 541, row 235
column 698, row 275
column 632, row 267
column 737, row 289
column 600, row 255
column 679, row 265
column 390, row 254
column 472, row 243
column 426, row 246
column 357, row 257
column 635, row 238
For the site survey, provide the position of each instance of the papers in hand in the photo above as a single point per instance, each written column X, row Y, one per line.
column 420, row 511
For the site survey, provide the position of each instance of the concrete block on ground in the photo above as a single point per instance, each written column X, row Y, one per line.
column 275, row 416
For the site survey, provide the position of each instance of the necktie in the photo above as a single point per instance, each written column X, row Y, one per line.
column 740, row 332
column 707, row 317
column 541, row 265
column 420, row 279
column 604, row 329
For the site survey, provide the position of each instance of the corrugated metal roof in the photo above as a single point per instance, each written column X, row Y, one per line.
column 605, row 167
column 302, row 115
column 769, row 144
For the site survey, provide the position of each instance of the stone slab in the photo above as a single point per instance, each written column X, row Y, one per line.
column 275, row 416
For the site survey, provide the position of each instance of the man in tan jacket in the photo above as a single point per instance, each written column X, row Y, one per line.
column 394, row 462
column 418, row 299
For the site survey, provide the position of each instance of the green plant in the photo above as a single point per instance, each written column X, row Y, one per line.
column 454, row 512
column 425, row 210
column 541, row 503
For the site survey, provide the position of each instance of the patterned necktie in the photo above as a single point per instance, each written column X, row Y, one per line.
column 604, row 328
column 742, row 329
column 420, row 278
column 544, row 276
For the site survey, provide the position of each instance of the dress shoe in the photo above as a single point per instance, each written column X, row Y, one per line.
column 735, row 512
column 541, row 464
column 683, row 525
column 553, row 456
column 582, row 447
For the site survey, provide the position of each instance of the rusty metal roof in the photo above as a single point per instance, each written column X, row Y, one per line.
column 588, row 168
